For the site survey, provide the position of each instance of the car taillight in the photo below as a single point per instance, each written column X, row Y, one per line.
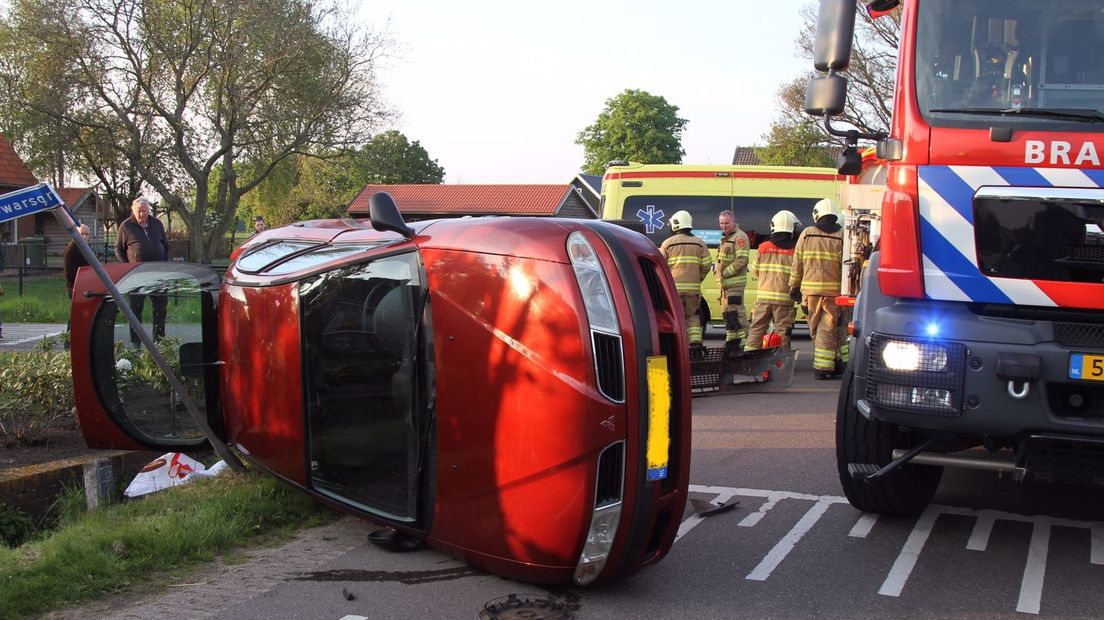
column 900, row 273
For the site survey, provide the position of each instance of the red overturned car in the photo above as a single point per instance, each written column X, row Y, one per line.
column 512, row 391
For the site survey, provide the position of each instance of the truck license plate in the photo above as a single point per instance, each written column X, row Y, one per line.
column 1083, row 366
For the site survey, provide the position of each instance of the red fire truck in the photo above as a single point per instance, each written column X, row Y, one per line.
column 978, row 335
column 513, row 391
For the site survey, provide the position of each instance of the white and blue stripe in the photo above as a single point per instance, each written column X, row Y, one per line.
column 947, row 229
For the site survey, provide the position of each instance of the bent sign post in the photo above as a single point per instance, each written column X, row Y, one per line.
column 42, row 197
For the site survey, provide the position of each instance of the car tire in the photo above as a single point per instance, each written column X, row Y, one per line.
column 904, row 491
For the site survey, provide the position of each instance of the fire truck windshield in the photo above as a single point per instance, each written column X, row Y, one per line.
column 1026, row 61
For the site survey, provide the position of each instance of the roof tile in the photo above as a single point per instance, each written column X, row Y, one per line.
column 13, row 172
column 467, row 199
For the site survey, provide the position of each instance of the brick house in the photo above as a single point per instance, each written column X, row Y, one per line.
column 576, row 199
column 85, row 204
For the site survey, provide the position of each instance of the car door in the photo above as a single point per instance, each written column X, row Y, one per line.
column 123, row 400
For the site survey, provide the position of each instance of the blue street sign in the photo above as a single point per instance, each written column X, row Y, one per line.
column 27, row 201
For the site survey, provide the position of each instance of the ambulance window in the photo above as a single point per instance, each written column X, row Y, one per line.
column 655, row 212
column 754, row 214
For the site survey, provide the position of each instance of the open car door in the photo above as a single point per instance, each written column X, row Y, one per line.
column 123, row 399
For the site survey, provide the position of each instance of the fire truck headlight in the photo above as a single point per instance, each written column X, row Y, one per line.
column 603, row 530
column 905, row 356
column 593, row 284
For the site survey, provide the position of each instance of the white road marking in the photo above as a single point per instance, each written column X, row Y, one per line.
column 983, row 528
column 788, row 542
column 695, row 519
column 1096, row 554
column 906, row 560
column 754, row 518
column 1031, row 588
column 863, row 525
column 354, row 618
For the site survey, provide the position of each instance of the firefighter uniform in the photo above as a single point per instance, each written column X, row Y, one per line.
column 817, row 272
column 773, row 268
column 690, row 261
column 732, row 263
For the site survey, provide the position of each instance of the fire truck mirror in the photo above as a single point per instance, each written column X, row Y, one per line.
column 825, row 95
column 835, row 27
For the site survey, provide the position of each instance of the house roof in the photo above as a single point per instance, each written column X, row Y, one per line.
column 594, row 181
column 467, row 199
column 73, row 197
column 746, row 155
column 13, row 172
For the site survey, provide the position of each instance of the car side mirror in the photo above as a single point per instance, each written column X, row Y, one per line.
column 826, row 95
column 385, row 215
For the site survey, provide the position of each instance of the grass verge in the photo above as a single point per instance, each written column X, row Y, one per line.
column 44, row 300
column 103, row 551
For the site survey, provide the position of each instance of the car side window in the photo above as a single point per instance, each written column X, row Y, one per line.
column 365, row 383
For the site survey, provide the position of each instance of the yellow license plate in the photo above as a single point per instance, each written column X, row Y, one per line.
column 659, row 417
column 1084, row 366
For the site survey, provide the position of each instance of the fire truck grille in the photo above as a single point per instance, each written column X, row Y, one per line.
column 610, row 365
column 1086, row 335
column 1092, row 253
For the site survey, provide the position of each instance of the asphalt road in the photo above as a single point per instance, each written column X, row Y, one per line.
column 792, row 548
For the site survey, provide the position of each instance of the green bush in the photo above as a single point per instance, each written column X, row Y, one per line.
column 15, row 527
column 36, row 394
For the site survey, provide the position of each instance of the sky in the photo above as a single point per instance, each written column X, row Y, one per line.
column 497, row 91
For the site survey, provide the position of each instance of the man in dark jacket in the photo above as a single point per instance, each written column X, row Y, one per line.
column 73, row 259
column 142, row 239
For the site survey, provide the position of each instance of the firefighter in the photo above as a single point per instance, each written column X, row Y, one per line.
column 815, row 282
column 732, row 263
column 690, row 262
column 773, row 268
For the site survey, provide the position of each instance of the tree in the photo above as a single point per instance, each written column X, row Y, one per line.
column 391, row 158
column 636, row 126
column 323, row 184
column 176, row 88
column 870, row 83
column 796, row 145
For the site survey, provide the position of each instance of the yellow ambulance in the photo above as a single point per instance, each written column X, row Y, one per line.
column 644, row 196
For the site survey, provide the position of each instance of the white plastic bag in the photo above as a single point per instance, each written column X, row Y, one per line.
column 169, row 470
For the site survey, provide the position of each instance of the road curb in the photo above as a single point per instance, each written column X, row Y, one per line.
column 33, row 489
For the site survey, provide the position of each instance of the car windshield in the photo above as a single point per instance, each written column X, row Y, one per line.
column 1023, row 61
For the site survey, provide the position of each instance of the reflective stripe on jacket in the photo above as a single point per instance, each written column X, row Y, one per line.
column 732, row 260
column 773, row 267
column 818, row 262
column 689, row 260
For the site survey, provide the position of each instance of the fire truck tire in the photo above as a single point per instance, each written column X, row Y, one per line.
column 903, row 492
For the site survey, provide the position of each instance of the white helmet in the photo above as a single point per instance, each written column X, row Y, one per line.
column 681, row 220
column 784, row 221
column 824, row 208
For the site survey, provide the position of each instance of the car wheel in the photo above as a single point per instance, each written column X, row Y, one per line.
column 903, row 492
